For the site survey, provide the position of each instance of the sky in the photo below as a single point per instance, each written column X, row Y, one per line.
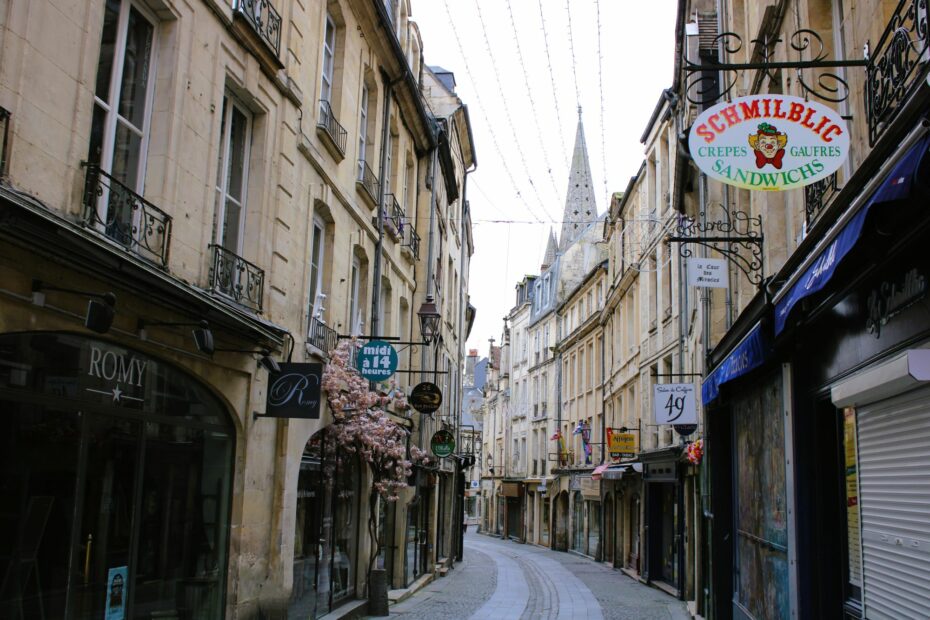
column 523, row 68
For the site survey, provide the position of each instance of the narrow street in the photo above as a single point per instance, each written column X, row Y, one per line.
column 503, row 579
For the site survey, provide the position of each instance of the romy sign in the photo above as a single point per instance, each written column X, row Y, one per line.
column 769, row 142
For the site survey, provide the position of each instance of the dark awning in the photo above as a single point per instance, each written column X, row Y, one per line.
column 896, row 186
column 748, row 355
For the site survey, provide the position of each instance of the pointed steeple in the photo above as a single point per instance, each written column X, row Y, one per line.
column 552, row 247
column 580, row 206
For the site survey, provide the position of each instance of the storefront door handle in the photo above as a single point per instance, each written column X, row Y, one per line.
column 87, row 553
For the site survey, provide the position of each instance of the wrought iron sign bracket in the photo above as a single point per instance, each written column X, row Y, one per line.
column 710, row 81
column 740, row 241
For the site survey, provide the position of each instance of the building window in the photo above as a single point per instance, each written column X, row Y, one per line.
column 355, row 312
column 317, row 296
column 362, row 131
column 122, row 97
column 232, row 174
column 329, row 59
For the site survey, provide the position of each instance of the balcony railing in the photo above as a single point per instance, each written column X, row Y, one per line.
column 331, row 128
column 236, row 278
column 393, row 216
column 368, row 181
column 817, row 196
column 897, row 66
column 264, row 19
column 412, row 241
column 125, row 216
column 322, row 336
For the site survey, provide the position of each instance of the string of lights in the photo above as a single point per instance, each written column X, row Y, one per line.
column 555, row 101
column 532, row 100
column 487, row 119
column 571, row 45
column 600, row 84
column 510, row 123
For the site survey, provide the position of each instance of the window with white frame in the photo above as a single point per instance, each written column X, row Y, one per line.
column 355, row 311
column 362, row 131
column 232, row 174
column 122, row 97
column 329, row 59
column 317, row 294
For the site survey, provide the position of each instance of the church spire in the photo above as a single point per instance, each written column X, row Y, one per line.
column 580, row 205
column 552, row 248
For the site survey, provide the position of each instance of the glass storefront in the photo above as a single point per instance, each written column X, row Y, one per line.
column 326, row 530
column 115, row 470
column 577, row 522
column 544, row 528
column 594, row 527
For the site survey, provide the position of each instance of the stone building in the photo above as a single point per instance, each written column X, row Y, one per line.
column 192, row 194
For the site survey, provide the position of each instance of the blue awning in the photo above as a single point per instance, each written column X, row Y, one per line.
column 896, row 186
column 748, row 355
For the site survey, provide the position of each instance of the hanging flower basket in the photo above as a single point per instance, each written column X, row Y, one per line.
column 695, row 452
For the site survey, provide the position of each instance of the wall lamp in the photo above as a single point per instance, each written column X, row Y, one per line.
column 429, row 320
column 100, row 308
column 265, row 361
column 203, row 337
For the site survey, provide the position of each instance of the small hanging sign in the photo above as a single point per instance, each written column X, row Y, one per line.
column 673, row 403
column 295, row 391
column 426, row 397
column 442, row 444
column 769, row 142
column 708, row 272
column 377, row 360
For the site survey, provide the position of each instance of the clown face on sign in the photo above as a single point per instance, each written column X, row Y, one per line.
column 769, row 145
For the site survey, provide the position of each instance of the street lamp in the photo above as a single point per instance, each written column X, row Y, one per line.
column 429, row 320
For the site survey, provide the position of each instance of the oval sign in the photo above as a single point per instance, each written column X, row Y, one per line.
column 377, row 360
column 426, row 397
column 442, row 444
column 769, row 142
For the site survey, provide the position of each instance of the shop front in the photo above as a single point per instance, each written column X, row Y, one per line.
column 116, row 473
column 327, row 529
column 664, row 524
column 513, row 495
column 861, row 393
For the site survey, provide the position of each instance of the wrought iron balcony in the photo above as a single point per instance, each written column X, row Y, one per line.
column 412, row 241
column 236, row 278
column 897, row 65
column 817, row 196
column 368, row 182
column 393, row 218
column 124, row 216
column 264, row 19
column 331, row 129
column 322, row 336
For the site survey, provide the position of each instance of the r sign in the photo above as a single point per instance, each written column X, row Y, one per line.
column 769, row 142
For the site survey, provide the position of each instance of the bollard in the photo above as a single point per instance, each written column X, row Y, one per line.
column 378, row 593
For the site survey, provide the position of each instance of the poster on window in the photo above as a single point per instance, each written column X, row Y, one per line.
column 117, row 578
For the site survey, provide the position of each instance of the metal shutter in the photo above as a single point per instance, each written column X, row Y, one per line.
column 894, row 487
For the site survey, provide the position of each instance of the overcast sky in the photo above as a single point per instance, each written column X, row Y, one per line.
column 524, row 116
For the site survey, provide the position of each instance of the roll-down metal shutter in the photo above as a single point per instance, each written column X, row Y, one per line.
column 894, row 501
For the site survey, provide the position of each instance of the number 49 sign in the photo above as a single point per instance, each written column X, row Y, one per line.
column 674, row 403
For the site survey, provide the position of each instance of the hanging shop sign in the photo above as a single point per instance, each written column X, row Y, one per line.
column 442, row 444
column 708, row 272
column 769, row 142
column 295, row 392
column 620, row 444
column 426, row 397
column 377, row 360
column 674, row 403
column 685, row 429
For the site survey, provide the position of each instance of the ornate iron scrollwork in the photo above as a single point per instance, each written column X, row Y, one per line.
column 737, row 235
column 702, row 86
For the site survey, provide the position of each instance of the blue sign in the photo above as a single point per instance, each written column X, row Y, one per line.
column 896, row 186
column 747, row 355
column 117, row 583
column 377, row 360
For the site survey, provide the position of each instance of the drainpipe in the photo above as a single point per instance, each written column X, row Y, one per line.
column 431, row 184
column 383, row 172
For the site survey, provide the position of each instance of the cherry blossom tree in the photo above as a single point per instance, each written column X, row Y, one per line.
column 362, row 427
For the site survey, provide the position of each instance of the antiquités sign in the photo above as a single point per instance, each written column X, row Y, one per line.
column 769, row 142
column 295, row 392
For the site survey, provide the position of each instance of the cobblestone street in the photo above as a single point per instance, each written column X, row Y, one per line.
column 503, row 579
